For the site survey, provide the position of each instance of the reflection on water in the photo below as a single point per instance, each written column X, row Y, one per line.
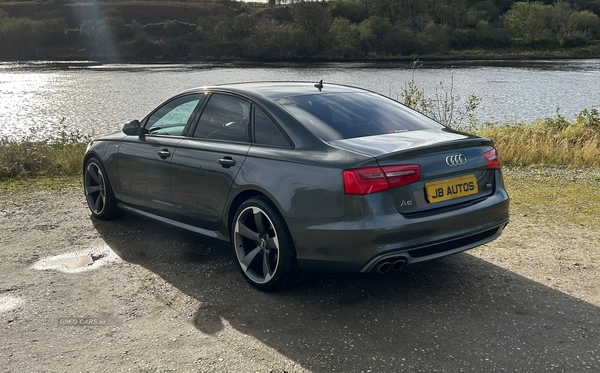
column 39, row 98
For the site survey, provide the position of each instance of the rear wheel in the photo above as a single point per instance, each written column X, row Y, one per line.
column 98, row 191
column 263, row 246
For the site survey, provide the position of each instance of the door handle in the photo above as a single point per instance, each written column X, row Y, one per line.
column 164, row 154
column 227, row 162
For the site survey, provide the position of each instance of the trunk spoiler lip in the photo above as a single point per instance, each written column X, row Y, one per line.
column 445, row 146
column 415, row 143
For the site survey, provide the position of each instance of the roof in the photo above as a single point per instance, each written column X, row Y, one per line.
column 276, row 90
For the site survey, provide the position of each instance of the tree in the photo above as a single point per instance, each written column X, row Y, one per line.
column 482, row 11
column 20, row 38
column 374, row 32
column 270, row 40
column 312, row 21
column 345, row 39
column 354, row 10
column 435, row 38
column 489, row 36
column 529, row 23
column 452, row 13
column 582, row 27
column 560, row 20
column 586, row 22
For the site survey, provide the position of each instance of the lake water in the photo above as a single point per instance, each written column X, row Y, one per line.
column 41, row 98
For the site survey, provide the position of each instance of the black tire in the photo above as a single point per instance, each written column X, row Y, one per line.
column 263, row 246
column 98, row 191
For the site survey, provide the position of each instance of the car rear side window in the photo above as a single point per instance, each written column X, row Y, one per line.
column 266, row 132
column 337, row 116
column 225, row 118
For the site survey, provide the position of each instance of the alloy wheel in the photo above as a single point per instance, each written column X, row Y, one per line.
column 256, row 245
column 95, row 188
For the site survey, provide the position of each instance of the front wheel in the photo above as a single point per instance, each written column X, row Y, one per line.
column 98, row 191
column 263, row 246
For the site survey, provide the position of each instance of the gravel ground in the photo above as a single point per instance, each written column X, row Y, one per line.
column 160, row 300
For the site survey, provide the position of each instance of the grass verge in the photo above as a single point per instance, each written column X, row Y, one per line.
column 21, row 185
column 28, row 158
column 555, row 194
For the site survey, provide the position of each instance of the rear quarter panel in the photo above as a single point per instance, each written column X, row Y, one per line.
column 303, row 184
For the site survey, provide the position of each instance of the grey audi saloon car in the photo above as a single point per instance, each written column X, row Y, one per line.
column 302, row 176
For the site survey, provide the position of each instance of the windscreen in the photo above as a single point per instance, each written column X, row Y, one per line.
column 337, row 116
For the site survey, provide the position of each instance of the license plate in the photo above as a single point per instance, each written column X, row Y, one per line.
column 444, row 190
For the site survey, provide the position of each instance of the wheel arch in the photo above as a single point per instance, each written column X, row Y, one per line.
column 86, row 158
column 89, row 155
column 244, row 196
column 103, row 189
column 106, row 151
column 237, row 202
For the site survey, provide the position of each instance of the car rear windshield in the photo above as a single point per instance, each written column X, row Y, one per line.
column 337, row 116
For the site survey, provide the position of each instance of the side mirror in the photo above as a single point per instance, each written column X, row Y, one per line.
column 132, row 128
column 135, row 128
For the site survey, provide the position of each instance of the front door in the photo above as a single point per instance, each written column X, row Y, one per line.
column 144, row 162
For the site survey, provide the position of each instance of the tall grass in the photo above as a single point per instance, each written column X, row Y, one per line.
column 550, row 141
column 60, row 156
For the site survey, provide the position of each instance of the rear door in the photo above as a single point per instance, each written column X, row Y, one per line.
column 205, row 165
column 144, row 162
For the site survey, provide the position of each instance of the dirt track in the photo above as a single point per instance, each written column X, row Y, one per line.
column 528, row 302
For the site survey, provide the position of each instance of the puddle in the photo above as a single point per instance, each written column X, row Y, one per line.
column 8, row 303
column 76, row 262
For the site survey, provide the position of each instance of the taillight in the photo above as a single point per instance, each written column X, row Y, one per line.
column 365, row 181
column 402, row 175
column 368, row 180
column 492, row 159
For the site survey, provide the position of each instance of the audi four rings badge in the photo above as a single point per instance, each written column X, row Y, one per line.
column 456, row 160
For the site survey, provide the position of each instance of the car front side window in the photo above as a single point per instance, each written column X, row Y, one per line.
column 173, row 117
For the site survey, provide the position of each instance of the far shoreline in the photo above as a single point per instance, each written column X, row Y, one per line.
column 514, row 57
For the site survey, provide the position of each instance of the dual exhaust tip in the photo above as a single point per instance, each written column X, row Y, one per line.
column 391, row 264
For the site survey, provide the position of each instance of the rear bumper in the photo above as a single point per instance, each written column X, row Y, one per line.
column 358, row 245
column 437, row 250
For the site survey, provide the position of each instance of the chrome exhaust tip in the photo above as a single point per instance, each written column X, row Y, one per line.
column 398, row 264
column 384, row 267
